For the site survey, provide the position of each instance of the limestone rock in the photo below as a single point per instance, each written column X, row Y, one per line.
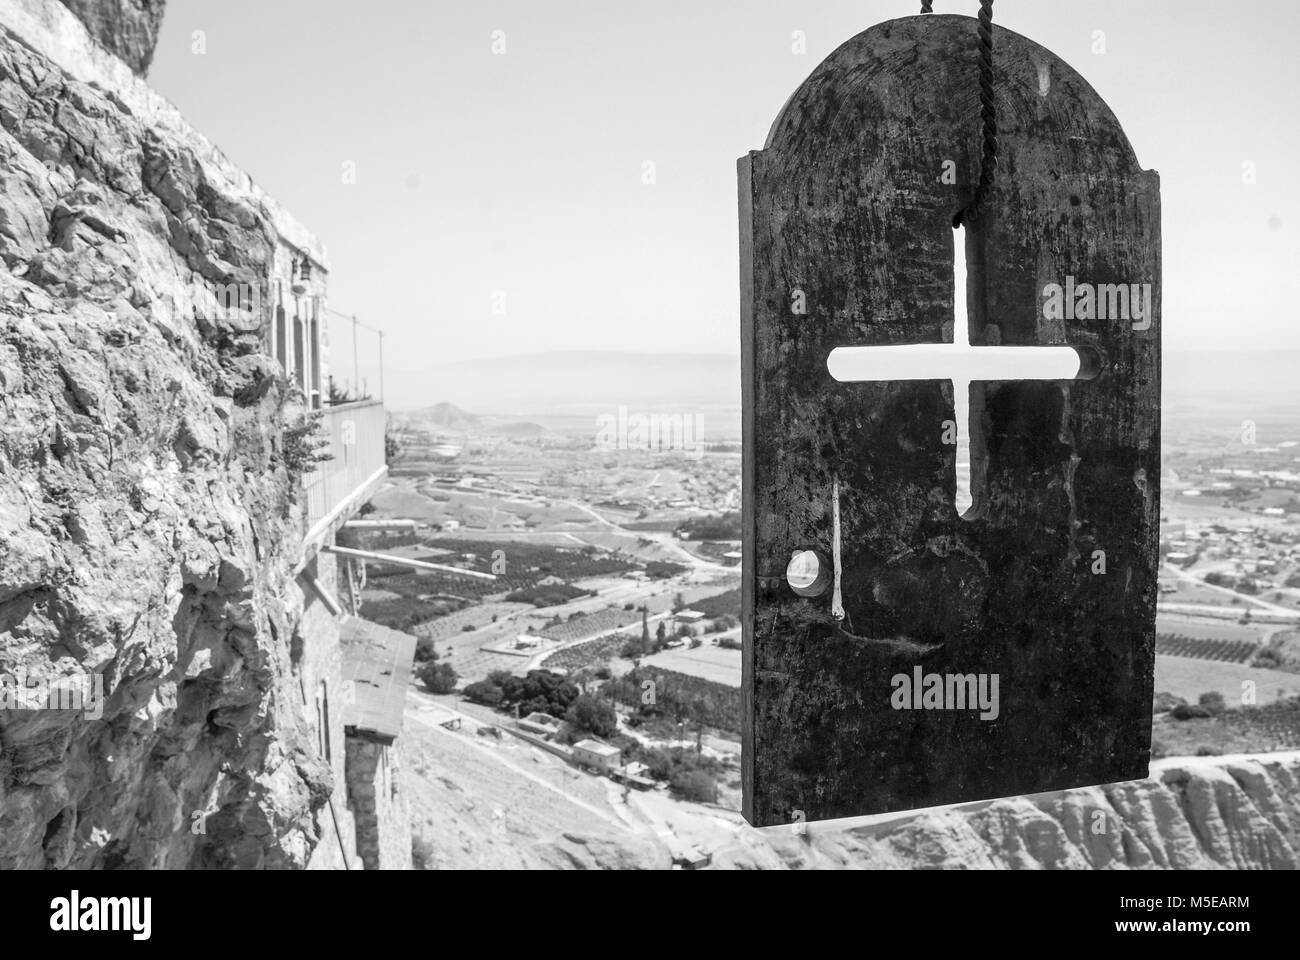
column 139, row 443
column 1192, row 813
column 129, row 28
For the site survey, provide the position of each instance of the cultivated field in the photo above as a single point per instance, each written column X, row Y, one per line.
column 706, row 661
column 1170, row 623
column 1188, row 678
column 480, row 616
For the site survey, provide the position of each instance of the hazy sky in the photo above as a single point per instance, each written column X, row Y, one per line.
column 522, row 172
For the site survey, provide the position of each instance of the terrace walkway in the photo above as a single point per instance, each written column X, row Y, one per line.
column 338, row 487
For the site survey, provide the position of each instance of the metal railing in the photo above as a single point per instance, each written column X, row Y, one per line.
column 356, row 445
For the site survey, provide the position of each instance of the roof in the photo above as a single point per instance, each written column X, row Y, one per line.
column 596, row 747
column 377, row 662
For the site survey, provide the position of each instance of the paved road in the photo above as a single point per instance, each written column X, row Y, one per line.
column 1188, row 577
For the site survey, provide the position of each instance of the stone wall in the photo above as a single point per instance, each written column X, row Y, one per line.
column 149, row 477
column 382, row 818
column 320, row 667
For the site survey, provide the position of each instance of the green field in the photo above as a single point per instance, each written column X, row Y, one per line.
column 1270, row 727
column 1188, row 678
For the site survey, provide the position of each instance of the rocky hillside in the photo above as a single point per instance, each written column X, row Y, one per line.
column 1193, row 813
column 147, row 529
column 480, row 802
column 127, row 28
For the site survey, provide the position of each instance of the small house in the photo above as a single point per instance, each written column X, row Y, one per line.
column 597, row 755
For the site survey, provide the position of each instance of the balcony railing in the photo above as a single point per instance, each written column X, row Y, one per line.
column 338, row 487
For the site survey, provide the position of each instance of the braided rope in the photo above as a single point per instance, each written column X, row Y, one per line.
column 988, row 107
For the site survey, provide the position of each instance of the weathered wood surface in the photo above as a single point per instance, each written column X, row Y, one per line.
column 846, row 203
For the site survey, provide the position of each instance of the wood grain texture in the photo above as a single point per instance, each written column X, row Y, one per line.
column 845, row 203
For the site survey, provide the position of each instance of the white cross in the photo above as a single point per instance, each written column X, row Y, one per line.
column 958, row 362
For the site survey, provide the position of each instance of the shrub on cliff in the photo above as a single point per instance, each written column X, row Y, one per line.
column 302, row 445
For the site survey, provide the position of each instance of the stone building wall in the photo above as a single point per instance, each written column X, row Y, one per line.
column 383, row 822
column 320, row 668
column 149, row 502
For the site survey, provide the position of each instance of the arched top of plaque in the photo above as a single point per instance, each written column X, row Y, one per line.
column 894, row 86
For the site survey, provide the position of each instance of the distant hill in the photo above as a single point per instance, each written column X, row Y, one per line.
column 567, row 391
column 520, row 429
column 576, row 383
column 447, row 416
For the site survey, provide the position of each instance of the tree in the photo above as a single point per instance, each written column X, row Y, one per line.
column 592, row 714
column 392, row 446
column 1212, row 701
column 679, row 603
column 661, row 635
column 693, row 785
column 483, row 692
column 645, row 630
column 438, row 677
column 338, row 395
column 424, row 651
column 541, row 691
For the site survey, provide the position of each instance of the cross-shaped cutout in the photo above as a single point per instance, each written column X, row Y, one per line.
column 962, row 364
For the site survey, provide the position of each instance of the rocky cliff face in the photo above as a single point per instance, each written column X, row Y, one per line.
column 147, row 524
column 482, row 804
column 1193, row 813
column 127, row 28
